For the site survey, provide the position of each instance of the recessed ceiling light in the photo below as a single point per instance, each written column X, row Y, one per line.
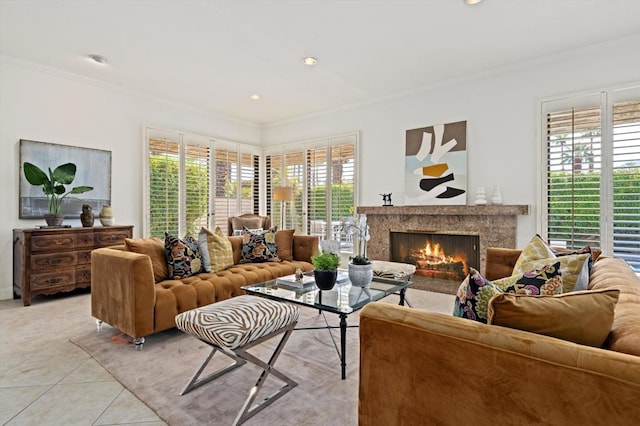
column 472, row 1
column 255, row 97
column 98, row 59
column 310, row 60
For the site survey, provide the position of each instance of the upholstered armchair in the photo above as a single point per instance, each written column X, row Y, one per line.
column 250, row 220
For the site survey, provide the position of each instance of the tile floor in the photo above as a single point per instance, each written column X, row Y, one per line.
column 47, row 380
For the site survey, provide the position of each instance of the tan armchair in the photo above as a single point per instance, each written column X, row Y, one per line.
column 250, row 220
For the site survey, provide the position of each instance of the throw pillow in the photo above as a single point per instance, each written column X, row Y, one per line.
column 284, row 244
column 475, row 292
column 259, row 246
column 183, row 256
column 583, row 317
column 473, row 297
column 546, row 280
column 154, row 248
column 574, row 269
column 203, row 244
column 535, row 250
column 219, row 250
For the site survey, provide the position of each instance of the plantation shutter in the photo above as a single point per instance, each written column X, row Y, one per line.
column 626, row 182
column 164, row 166
column 197, row 187
column 225, row 204
column 317, row 201
column 573, row 179
column 592, row 187
column 294, row 178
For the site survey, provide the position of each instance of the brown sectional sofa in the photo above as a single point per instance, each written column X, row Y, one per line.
column 420, row 367
column 125, row 294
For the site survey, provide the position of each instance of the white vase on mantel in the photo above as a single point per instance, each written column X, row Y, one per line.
column 496, row 195
column 481, row 196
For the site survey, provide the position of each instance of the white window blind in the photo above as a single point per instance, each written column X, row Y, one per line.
column 592, row 177
column 195, row 181
column 322, row 173
column 178, row 185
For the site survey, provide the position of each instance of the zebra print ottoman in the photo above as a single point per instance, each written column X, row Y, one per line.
column 232, row 327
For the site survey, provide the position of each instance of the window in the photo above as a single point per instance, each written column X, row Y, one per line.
column 194, row 181
column 592, row 172
column 322, row 174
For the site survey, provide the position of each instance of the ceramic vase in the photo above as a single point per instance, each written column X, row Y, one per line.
column 496, row 196
column 481, row 196
column 106, row 216
column 360, row 275
column 87, row 217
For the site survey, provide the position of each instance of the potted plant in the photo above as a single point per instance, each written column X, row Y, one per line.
column 360, row 268
column 325, row 269
column 53, row 186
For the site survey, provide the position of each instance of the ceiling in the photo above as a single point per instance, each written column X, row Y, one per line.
column 213, row 55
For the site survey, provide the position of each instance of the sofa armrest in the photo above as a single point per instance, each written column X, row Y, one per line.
column 305, row 246
column 500, row 262
column 420, row 367
column 123, row 290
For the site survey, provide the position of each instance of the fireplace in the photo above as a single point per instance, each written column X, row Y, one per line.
column 442, row 259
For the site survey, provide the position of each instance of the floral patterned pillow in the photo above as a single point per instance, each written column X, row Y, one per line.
column 183, row 256
column 476, row 291
column 259, row 246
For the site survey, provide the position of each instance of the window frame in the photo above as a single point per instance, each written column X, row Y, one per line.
column 605, row 99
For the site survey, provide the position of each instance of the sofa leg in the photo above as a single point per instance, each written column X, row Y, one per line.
column 139, row 342
column 98, row 325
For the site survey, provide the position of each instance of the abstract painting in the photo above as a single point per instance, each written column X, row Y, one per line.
column 436, row 165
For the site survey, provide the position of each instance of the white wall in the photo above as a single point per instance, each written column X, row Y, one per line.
column 49, row 106
column 501, row 110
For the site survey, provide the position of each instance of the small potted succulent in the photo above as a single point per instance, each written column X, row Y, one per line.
column 325, row 270
column 53, row 186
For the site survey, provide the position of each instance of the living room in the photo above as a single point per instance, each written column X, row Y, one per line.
column 500, row 100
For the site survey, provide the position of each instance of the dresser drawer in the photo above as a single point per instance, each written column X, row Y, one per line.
column 102, row 239
column 52, row 260
column 53, row 242
column 84, row 256
column 84, row 240
column 83, row 274
column 53, row 279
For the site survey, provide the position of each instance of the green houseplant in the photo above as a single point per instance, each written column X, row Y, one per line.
column 325, row 269
column 53, row 185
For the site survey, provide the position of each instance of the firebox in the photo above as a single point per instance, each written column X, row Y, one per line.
column 442, row 259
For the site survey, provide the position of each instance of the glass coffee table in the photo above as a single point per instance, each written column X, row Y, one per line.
column 342, row 300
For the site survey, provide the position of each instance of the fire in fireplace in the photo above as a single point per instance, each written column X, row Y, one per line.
column 442, row 258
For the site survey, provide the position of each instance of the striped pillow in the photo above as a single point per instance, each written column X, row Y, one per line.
column 219, row 249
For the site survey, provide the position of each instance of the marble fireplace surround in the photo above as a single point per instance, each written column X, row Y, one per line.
column 494, row 224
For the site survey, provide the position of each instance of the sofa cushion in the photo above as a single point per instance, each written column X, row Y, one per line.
column 535, row 250
column 219, row 250
column 284, row 244
column 203, row 243
column 583, row 317
column 183, row 256
column 475, row 292
column 259, row 246
column 154, row 248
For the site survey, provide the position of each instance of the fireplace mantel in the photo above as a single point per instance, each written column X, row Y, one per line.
column 495, row 224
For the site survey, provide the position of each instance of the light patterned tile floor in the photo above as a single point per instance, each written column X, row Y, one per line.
column 46, row 379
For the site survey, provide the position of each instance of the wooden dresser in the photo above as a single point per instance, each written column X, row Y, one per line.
column 47, row 261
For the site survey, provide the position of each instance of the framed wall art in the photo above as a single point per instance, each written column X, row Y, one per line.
column 436, row 165
column 93, row 168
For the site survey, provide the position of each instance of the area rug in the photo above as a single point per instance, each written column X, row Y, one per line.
column 158, row 372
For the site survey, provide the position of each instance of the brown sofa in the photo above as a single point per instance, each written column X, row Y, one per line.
column 125, row 294
column 420, row 367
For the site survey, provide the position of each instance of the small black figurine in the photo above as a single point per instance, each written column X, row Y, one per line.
column 386, row 198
